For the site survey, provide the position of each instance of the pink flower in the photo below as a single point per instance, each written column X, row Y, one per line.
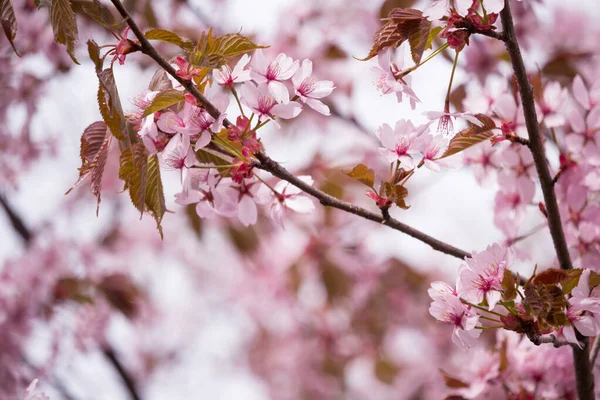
column 585, row 139
column 445, row 125
column 149, row 134
column 226, row 77
column 580, row 302
column 289, row 197
column 440, row 8
column 387, row 71
column 124, row 47
column 449, row 309
column 550, row 106
column 483, row 159
column 260, row 100
column 511, row 116
column 432, row 148
column 481, row 276
column 397, row 143
column 30, row 395
column 248, row 198
column 186, row 70
column 274, row 73
column 178, row 153
column 587, row 98
column 185, row 122
column 512, row 199
column 309, row 90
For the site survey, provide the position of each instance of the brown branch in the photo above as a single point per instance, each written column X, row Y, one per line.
column 273, row 167
column 125, row 376
column 16, row 221
column 594, row 351
column 583, row 371
column 538, row 340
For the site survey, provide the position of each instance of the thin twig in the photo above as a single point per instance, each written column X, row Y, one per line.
column 583, row 371
column 273, row 167
column 125, row 376
column 16, row 221
column 538, row 340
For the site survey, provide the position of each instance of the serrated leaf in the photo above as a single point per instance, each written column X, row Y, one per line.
column 94, row 53
column 471, row 136
column 164, row 99
column 96, row 11
column 160, row 81
column 208, row 156
column 212, row 51
column 509, row 286
column 169, row 37
column 389, row 5
column 9, row 22
column 95, row 143
column 418, row 39
column 64, row 26
column 110, row 106
column 572, row 280
column 363, row 174
column 155, row 197
column 136, row 180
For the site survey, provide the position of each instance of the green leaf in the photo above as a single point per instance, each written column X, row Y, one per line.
column 234, row 44
column 433, row 33
column 155, row 197
column 169, row 37
column 471, row 136
column 95, row 143
column 9, row 22
column 363, row 174
column 64, row 26
column 164, row 99
column 573, row 279
column 208, row 156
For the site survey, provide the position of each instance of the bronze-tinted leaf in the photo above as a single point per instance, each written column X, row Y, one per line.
column 169, row 37
column 96, row 11
column 396, row 194
column 110, row 106
column 418, row 40
column 155, row 197
column 164, row 99
column 389, row 5
column 160, row 81
column 452, row 382
column 9, row 22
column 95, row 143
column 121, row 293
column 336, row 281
column 471, row 136
column 64, row 25
column 94, row 53
column 550, row 277
column 572, row 280
column 363, row 174
column 509, row 286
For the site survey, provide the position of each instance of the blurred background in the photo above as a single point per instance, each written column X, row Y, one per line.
column 330, row 307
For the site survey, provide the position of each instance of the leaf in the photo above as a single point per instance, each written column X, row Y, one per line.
column 110, row 106
column 64, row 25
column 550, row 277
column 95, row 143
column 396, row 194
column 471, row 136
column 9, row 22
column 418, row 40
column 433, row 33
column 96, row 11
column 211, row 52
column 363, row 174
column 94, row 53
column 452, row 382
column 208, row 156
column 336, row 281
column 572, row 280
column 121, row 293
column 509, row 286
column 164, row 99
column 155, row 197
column 169, row 37
column 389, row 5
column 160, row 81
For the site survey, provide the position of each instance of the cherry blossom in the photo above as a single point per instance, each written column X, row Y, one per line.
column 274, row 73
column 579, row 303
column 397, row 143
column 550, row 106
column 388, row 80
column 310, row 90
column 260, row 100
column 587, row 98
column 481, row 276
column 440, row 8
column 444, row 118
column 30, row 394
column 228, row 77
column 450, row 310
column 289, row 197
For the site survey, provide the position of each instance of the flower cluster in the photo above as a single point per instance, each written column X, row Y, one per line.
column 215, row 158
column 552, row 302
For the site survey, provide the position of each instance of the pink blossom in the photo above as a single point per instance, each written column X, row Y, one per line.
column 511, row 116
column 397, row 143
column 216, row 198
column 227, row 77
column 387, row 82
column 248, row 197
column 149, row 134
column 483, row 159
column 274, row 73
column 185, row 122
column 186, row 70
column 444, row 118
column 260, row 100
column 585, row 137
column 178, row 153
column 513, row 197
column 30, row 394
column 289, row 197
column 309, row 90
column 124, row 47
column 481, row 276
column 440, row 8
column 432, row 148
column 579, row 303
column 550, row 106
column 449, row 309
column 587, row 98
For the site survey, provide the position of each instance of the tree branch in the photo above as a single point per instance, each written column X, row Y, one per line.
column 583, row 371
column 273, row 167
column 595, row 350
column 24, row 232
